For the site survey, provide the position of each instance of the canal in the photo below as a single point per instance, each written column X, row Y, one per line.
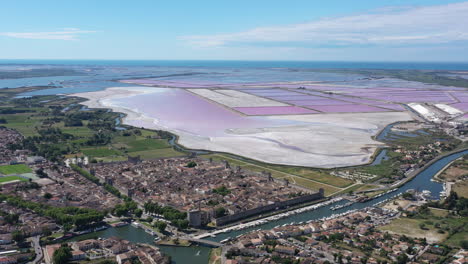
column 199, row 255
column 179, row 255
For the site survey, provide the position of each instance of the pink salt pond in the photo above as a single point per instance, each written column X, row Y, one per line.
column 346, row 108
column 274, row 110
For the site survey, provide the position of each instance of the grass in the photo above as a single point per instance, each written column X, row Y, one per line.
column 410, row 227
column 455, row 228
column 25, row 123
column 112, row 159
column 14, row 169
column 101, row 152
column 365, row 187
column 78, row 131
column 306, row 177
column 147, row 144
column 11, row 178
column 157, row 153
column 455, row 239
column 313, row 185
column 439, row 212
column 461, row 188
column 215, row 256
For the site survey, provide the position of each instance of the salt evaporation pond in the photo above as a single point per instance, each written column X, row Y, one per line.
column 177, row 109
column 298, row 136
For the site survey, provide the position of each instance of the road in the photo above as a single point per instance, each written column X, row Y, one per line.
column 35, row 241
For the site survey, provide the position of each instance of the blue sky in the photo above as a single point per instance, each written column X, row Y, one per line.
column 339, row 30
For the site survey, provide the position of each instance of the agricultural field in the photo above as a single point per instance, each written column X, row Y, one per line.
column 100, row 152
column 61, row 129
column 14, row 169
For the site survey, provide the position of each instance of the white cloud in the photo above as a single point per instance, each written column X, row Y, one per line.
column 65, row 34
column 385, row 26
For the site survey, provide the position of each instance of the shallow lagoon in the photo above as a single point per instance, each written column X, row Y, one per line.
column 180, row 110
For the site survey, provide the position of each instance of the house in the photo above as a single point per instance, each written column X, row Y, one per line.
column 285, row 250
column 121, row 258
column 6, row 239
column 78, row 255
column 85, row 245
column 7, row 260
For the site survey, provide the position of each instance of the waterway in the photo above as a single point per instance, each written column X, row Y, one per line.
column 421, row 182
column 197, row 254
column 179, row 255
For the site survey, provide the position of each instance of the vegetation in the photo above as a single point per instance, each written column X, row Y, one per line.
column 127, row 208
column 14, row 169
column 38, row 73
column 432, row 77
column 95, row 180
column 455, row 203
column 191, row 164
column 160, row 225
column 177, row 218
column 449, row 228
column 62, row 255
column 11, row 178
column 220, row 211
column 79, row 217
column 223, row 191
column 55, row 127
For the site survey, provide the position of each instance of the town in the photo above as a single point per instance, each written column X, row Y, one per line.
column 207, row 190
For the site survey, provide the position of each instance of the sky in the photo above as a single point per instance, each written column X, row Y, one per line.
column 294, row 30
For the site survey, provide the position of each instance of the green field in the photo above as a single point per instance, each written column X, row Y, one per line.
column 308, row 178
column 11, row 178
column 101, row 152
column 25, row 123
column 14, row 169
column 454, row 229
column 157, row 153
column 147, row 144
column 279, row 171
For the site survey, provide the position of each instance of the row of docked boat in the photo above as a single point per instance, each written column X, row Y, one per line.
column 336, row 207
column 269, row 219
column 147, row 229
column 387, row 192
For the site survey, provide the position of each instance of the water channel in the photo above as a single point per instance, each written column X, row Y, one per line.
column 197, row 254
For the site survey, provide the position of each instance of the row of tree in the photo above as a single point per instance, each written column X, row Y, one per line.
column 177, row 218
column 62, row 215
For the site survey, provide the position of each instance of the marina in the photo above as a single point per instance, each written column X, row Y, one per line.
column 196, row 254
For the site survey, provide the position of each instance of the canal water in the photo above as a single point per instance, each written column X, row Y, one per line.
column 421, row 182
column 179, row 255
column 200, row 255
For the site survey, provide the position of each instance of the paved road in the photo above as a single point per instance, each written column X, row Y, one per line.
column 35, row 241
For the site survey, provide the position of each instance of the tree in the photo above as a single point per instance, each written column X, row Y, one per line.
column 402, row 259
column 18, row 236
column 160, row 225
column 62, row 255
column 220, row 211
column 407, row 196
column 41, row 173
column 11, row 218
column 138, row 213
column 223, row 190
column 48, row 196
column 191, row 164
column 464, row 244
